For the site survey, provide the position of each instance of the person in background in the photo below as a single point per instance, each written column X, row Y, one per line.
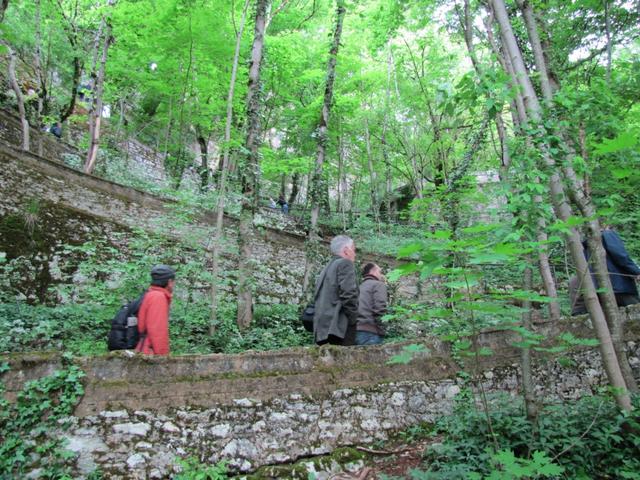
column 336, row 296
column 272, row 203
column 623, row 272
column 372, row 305
column 284, row 206
column 56, row 130
column 622, row 269
column 153, row 317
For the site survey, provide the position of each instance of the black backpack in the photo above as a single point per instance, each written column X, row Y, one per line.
column 124, row 327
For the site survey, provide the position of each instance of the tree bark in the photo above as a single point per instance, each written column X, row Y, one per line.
column 77, row 73
column 543, row 256
column 41, row 78
column 317, row 183
column 372, row 176
column 19, row 98
column 222, row 184
column 316, row 186
column 295, row 188
column 250, row 172
column 575, row 191
column 95, row 114
column 528, row 383
column 4, row 4
column 563, row 211
column 204, row 161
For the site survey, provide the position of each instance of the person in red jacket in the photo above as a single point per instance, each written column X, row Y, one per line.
column 153, row 317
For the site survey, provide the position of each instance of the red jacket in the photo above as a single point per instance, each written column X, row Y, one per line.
column 153, row 318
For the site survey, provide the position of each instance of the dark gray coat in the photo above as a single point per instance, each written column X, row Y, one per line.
column 336, row 299
column 372, row 305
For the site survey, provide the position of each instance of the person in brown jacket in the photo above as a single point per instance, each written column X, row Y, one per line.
column 372, row 305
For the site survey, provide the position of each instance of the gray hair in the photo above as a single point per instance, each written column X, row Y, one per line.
column 339, row 242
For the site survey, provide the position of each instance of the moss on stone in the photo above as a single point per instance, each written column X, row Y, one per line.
column 341, row 456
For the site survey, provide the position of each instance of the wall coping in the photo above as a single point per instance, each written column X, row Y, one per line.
column 134, row 381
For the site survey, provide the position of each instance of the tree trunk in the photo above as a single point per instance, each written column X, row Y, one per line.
column 575, row 190
column 41, row 78
column 19, row 98
column 4, row 4
column 77, row 73
column 295, row 188
column 250, row 173
column 217, row 237
column 317, row 185
column 541, row 235
column 528, row 384
column 372, row 176
column 97, row 101
column 204, row 161
column 538, row 54
column 563, row 211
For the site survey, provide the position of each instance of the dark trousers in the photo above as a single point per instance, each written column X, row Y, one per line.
column 348, row 340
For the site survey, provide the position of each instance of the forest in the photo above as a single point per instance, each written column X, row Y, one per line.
column 474, row 148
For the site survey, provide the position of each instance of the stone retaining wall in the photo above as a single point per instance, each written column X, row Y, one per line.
column 73, row 208
column 139, row 414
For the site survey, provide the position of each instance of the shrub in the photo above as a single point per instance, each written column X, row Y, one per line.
column 588, row 437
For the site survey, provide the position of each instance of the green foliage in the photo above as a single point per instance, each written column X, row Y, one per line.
column 192, row 469
column 588, row 437
column 29, row 427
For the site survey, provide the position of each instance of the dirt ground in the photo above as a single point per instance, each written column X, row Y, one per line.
column 395, row 462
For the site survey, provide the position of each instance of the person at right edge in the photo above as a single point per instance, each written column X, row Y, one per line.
column 372, row 305
column 623, row 272
column 336, row 294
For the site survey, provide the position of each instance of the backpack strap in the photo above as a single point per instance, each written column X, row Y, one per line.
column 143, row 335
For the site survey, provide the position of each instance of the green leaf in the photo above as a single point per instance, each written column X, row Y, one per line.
column 409, row 250
column 621, row 142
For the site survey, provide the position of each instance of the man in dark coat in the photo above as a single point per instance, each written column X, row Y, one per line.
column 622, row 272
column 372, row 305
column 336, row 296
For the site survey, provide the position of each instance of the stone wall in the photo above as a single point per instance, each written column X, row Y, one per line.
column 139, row 414
column 72, row 208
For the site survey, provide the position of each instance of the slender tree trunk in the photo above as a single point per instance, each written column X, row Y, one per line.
column 317, row 184
column 40, row 76
column 528, row 384
column 383, row 137
column 77, row 73
column 575, row 190
column 250, row 172
column 97, row 101
column 372, row 176
column 520, row 118
column 204, row 161
column 339, row 193
column 19, row 98
column 295, row 188
column 607, row 20
column 534, row 39
column 323, row 125
column 563, row 211
column 4, row 4
column 222, row 184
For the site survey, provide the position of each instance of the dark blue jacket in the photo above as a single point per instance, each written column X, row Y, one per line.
column 619, row 264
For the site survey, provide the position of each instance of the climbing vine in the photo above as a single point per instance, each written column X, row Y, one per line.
column 30, row 426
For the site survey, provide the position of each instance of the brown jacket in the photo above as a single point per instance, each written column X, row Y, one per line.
column 372, row 305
